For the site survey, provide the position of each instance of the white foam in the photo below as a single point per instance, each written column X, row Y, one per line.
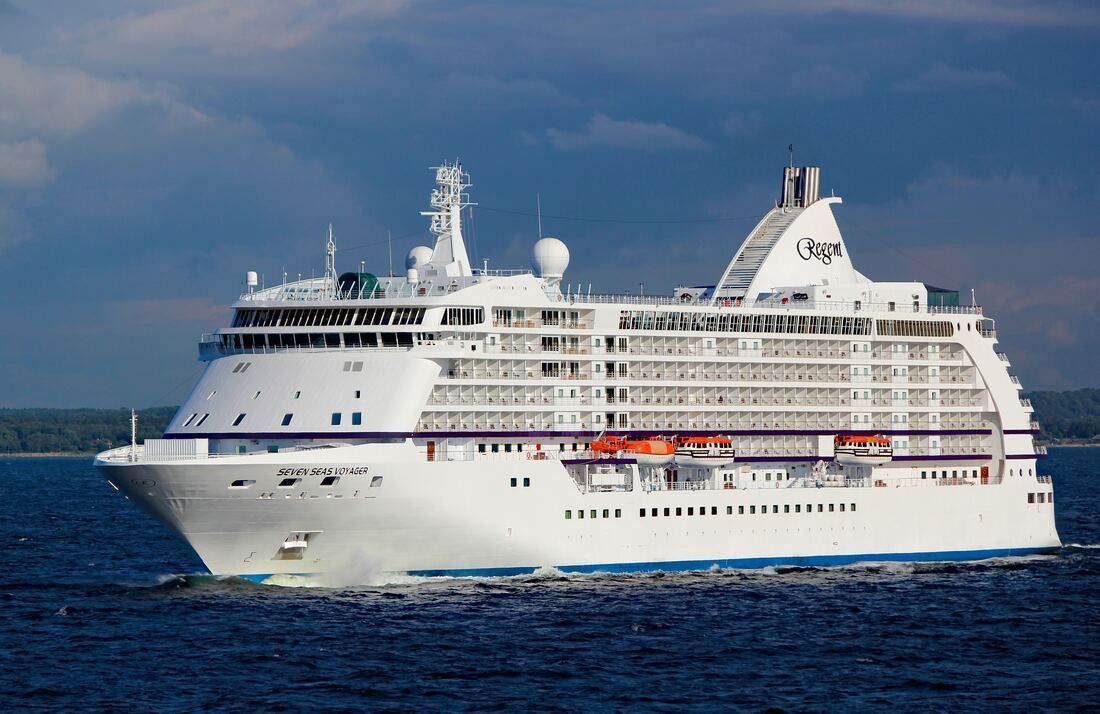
column 358, row 571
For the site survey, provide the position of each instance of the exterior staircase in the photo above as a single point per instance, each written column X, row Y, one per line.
column 743, row 267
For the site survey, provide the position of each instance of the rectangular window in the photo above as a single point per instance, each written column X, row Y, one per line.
column 740, row 510
column 357, row 418
column 798, row 508
column 336, row 418
column 580, row 513
column 641, row 513
column 287, row 418
column 842, row 508
column 1031, row 498
column 238, row 420
column 526, row 482
column 691, row 511
column 729, row 510
column 289, row 482
column 666, row 511
column 618, row 513
column 481, row 448
column 775, row 508
column 786, row 508
column 679, row 511
column 512, row 482
column 820, row 508
column 853, row 506
column 831, row 508
column 606, row 513
column 592, row 513
column 330, row 480
column 752, row 509
column 714, row 510
column 653, row 512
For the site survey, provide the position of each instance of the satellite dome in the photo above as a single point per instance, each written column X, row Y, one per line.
column 418, row 257
column 550, row 258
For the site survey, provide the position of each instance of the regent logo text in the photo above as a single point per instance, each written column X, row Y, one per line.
column 825, row 252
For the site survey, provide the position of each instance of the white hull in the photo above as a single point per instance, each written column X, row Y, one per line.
column 466, row 518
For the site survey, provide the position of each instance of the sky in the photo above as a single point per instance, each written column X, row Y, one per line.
column 152, row 153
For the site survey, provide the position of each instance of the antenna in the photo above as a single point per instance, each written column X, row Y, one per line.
column 330, row 257
column 538, row 212
column 790, row 154
column 389, row 246
column 133, row 435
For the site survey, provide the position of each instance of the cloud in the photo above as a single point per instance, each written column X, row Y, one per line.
column 242, row 27
column 826, row 82
column 60, row 101
column 24, row 163
column 944, row 77
column 602, row 130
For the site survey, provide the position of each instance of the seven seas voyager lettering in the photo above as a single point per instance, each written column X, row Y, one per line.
column 824, row 252
column 325, row 471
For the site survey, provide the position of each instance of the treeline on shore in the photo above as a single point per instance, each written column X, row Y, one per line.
column 1068, row 415
column 1072, row 416
column 76, row 430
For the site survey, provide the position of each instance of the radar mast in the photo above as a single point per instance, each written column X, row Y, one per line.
column 448, row 199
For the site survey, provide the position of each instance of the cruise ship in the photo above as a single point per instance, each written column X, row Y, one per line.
column 461, row 421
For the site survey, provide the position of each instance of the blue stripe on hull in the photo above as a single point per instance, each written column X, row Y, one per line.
column 740, row 563
column 747, row 563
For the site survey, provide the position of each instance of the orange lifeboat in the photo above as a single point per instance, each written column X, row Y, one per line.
column 862, row 450
column 647, row 452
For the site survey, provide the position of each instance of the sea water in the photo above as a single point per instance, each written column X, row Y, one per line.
column 102, row 608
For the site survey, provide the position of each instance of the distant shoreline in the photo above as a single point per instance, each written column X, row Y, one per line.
column 49, row 455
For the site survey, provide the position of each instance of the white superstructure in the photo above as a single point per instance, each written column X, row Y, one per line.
column 443, row 422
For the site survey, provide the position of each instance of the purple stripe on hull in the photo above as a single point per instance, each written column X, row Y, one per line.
column 556, row 434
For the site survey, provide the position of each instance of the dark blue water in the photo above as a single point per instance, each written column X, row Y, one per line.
column 95, row 614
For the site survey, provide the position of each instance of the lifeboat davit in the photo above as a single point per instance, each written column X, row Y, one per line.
column 647, row 452
column 862, row 450
column 704, row 451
